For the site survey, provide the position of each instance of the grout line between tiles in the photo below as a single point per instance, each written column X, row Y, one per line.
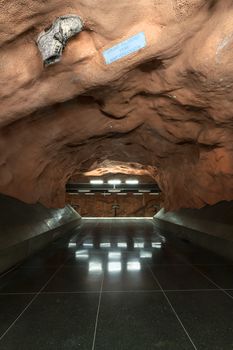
column 122, row 291
column 8, row 271
column 28, row 305
column 174, row 311
column 97, row 313
column 32, row 300
column 210, row 280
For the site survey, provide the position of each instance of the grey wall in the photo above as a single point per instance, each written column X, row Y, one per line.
column 210, row 227
column 26, row 228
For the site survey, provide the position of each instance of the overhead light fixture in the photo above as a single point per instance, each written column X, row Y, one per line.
column 72, row 244
column 96, row 182
column 84, row 191
column 132, row 182
column 114, row 182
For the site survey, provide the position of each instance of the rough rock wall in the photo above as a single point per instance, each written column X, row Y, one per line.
column 166, row 107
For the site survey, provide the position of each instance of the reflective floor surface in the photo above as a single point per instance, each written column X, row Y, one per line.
column 118, row 285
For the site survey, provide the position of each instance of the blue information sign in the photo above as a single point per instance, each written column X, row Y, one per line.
column 125, row 48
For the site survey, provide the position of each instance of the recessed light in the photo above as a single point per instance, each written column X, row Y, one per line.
column 96, row 182
column 132, row 182
column 114, row 182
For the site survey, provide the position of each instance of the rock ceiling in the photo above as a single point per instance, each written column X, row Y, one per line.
column 165, row 108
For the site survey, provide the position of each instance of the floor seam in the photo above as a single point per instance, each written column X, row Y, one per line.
column 174, row 311
column 210, row 280
column 33, row 299
column 123, row 291
column 97, row 313
column 29, row 304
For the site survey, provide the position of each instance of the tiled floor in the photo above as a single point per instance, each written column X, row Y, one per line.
column 119, row 285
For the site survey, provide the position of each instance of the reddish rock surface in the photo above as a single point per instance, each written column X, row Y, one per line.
column 166, row 109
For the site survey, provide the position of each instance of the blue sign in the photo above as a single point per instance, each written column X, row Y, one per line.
column 125, row 48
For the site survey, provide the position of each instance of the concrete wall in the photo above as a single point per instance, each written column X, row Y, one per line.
column 26, row 228
column 210, row 227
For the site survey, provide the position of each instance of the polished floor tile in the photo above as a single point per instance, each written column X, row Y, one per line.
column 101, row 292
column 180, row 277
column 221, row 275
column 138, row 321
column 207, row 316
column 55, row 322
column 25, row 280
column 11, row 306
column 75, row 279
column 116, row 279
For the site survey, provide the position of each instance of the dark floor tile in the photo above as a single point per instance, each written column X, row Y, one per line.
column 180, row 277
column 75, row 279
column 207, row 316
column 49, row 258
column 166, row 256
column 123, row 280
column 138, row 321
column 59, row 322
column 25, row 280
column 11, row 306
column 222, row 275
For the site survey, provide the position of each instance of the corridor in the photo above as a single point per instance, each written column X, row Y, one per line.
column 118, row 285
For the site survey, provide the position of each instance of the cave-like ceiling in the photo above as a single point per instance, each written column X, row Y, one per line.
column 144, row 86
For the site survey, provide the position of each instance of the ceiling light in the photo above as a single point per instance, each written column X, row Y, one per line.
column 132, row 182
column 114, row 182
column 96, row 182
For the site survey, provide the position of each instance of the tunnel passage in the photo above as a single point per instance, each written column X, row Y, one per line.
column 120, row 284
column 114, row 195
